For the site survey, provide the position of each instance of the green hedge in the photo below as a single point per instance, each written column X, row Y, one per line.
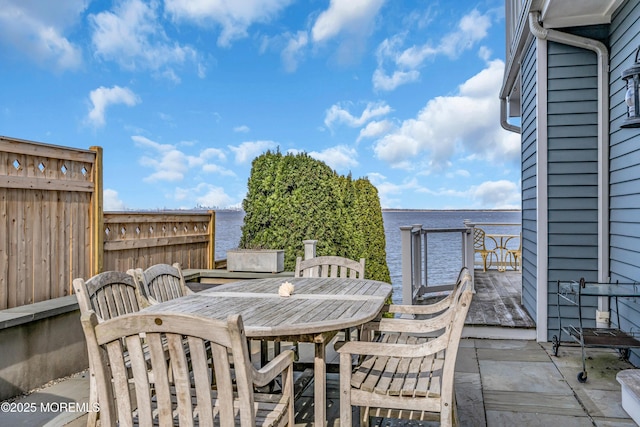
column 291, row 198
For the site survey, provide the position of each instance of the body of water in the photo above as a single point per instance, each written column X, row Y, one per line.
column 444, row 249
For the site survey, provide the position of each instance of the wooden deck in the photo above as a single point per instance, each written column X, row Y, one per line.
column 497, row 301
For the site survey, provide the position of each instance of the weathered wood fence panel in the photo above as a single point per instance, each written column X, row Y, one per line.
column 46, row 214
column 53, row 228
column 141, row 239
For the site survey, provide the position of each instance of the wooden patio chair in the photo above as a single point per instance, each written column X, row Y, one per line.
column 161, row 282
column 109, row 294
column 199, row 351
column 329, row 266
column 418, row 312
column 409, row 373
column 480, row 247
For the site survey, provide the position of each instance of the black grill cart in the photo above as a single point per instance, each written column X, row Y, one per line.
column 572, row 294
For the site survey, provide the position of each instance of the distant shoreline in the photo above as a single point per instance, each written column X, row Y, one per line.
column 448, row 210
column 407, row 210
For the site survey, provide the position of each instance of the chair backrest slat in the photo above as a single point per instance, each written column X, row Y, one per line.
column 161, row 282
column 109, row 294
column 330, row 266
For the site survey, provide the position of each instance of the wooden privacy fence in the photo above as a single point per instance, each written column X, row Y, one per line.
column 46, row 212
column 137, row 239
column 53, row 228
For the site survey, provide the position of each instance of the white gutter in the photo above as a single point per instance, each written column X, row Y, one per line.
column 603, row 134
column 503, row 118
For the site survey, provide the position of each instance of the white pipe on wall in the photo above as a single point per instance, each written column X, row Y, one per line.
column 603, row 134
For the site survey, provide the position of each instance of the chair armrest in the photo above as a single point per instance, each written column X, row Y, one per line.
column 394, row 350
column 436, row 307
column 275, row 367
column 414, row 326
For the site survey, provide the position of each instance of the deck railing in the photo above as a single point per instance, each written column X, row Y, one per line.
column 425, row 250
column 416, row 255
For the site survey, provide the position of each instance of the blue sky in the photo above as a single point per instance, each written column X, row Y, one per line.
column 183, row 94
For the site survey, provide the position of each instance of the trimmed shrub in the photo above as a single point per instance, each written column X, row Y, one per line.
column 291, row 198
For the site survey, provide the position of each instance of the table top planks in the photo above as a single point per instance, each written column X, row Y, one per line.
column 317, row 305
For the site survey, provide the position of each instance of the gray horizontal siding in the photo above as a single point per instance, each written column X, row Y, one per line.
column 529, row 181
column 572, row 174
column 624, row 166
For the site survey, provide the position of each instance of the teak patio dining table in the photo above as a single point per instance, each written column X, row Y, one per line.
column 316, row 311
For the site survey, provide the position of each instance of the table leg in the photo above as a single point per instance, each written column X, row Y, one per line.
column 319, row 385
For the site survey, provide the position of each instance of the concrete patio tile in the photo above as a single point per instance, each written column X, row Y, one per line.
column 522, row 376
column 602, row 403
column 55, row 405
column 504, row 418
column 467, row 343
column 467, row 361
column 512, row 355
column 602, row 367
column 608, row 422
column 537, row 403
column 468, row 388
column 508, row 344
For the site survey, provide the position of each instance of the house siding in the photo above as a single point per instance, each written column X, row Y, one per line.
column 624, row 166
column 572, row 175
column 529, row 182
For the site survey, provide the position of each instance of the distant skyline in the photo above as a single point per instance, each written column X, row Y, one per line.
column 183, row 94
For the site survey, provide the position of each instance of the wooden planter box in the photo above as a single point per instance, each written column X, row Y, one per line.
column 256, row 260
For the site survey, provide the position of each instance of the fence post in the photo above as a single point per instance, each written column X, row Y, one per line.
column 97, row 217
column 470, row 258
column 211, row 261
column 405, row 247
column 416, row 259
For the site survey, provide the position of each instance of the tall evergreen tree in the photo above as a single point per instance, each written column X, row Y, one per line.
column 292, row 198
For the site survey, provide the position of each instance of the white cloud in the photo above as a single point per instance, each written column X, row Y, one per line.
column 36, row 29
column 217, row 169
column 241, row 128
column 389, row 192
column 132, row 36
column 450, row 126
column 249, row 150
column 103, row 97
column 213, row 153
column 338, row 114
column 204, row 195
column 459, row 173
column 111, row 201
column 405, row 63
column 340, row 157
column 501, row 194
column 375, row 129
column 235, row 17
column 471, row 29
column 347, row 23
column 345, row 16
column 381, row 81
column 171, row 164
column 293, row 52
